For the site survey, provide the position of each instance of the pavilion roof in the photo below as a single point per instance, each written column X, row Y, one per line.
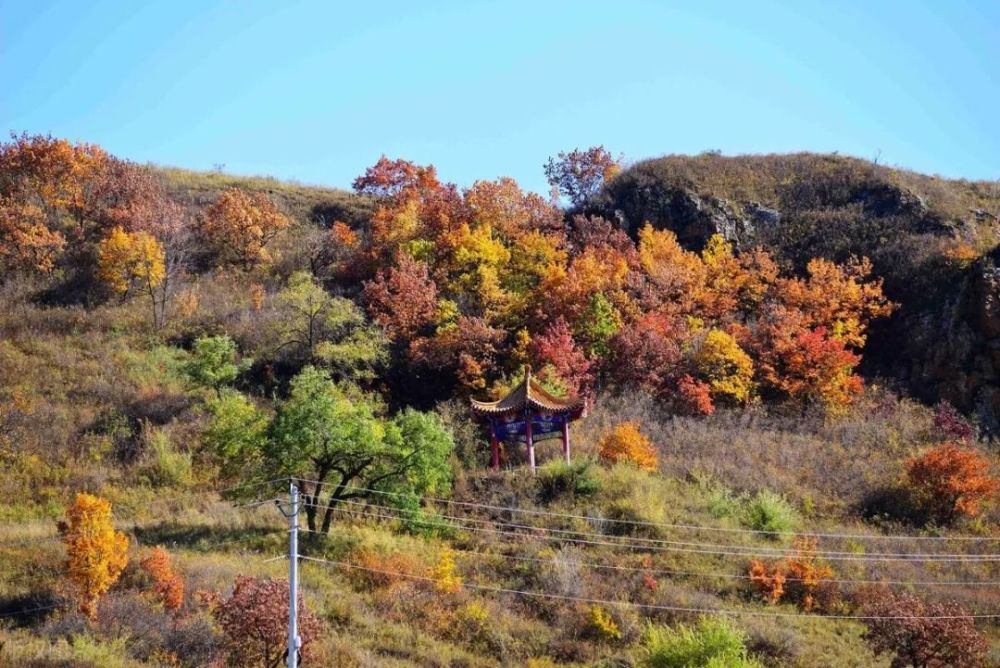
column 529, row 394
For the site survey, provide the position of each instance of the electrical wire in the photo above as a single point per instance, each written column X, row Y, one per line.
column 667, row 525
column 737, row 551
column 712, row 574
column 645, row 606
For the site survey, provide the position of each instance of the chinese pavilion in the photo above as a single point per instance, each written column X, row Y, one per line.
column 527, row 415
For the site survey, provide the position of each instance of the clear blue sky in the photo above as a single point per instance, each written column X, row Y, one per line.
column 316, row 91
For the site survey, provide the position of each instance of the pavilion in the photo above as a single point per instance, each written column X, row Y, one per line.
column 528, row 414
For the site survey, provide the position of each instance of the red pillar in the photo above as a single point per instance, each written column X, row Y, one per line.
column 494, row 448
column 531, row 443
column 565, row 440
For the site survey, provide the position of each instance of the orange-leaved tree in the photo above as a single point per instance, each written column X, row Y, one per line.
column 951, row 481
column 240, row 225
column 625, row 443
column 97, row 554
column 133, row 259
column 168, row 587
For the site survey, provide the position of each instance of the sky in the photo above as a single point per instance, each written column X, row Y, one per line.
column 317, row 91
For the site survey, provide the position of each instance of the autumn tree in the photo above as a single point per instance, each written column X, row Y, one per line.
column 26, row 242
column 168, row 587
column 240, row 225
column 502, row 205
column 97, row 554
column 725, row 366
column 556, row 347
column 626, row 443
column 920, row 634
column 254, row 619
column 470, row 350
column 127, row 260
column 647, row 354
column 403, row 299
column 951, row 481
column 314, row 326
column 579, row 175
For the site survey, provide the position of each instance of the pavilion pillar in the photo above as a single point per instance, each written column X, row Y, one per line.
column 494, row 448
column 530, row 441
column 565, row 439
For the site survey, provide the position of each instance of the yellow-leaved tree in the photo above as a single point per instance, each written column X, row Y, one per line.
column 726, row 367
column 127, row 260
column 625, row 443
column 96, row 553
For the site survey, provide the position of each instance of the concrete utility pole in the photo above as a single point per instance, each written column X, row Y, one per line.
column 294, row 642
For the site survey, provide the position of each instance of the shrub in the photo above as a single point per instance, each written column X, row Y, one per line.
column 951, row 424
column 558, row 478
column 767, row 511
column 601, row 625
column 900, row 626
column 950, row 481
column 254, row 620
column 163, row 465
column 168, row 587
column 797, row 578
column 625, row 443
column 712, row 643
column 97, row 554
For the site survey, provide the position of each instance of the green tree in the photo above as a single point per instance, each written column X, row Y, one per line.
column 332, row 440
column 214, row 362
column 237, row 432
column 322, row 329
column 712, row 643
column 599, row 323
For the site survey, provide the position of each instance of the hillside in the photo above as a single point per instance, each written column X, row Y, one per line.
column 764, row 475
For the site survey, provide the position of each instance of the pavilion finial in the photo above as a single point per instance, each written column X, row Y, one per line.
column 527, row 373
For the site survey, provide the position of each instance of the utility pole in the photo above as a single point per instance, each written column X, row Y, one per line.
column 294, row 642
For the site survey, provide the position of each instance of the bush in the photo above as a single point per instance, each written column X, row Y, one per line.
column 558, row 478
column 712, row 643
column 767, row 511
column 950, row 481
column 625, row 443
column 901, row 625
column 163, row 466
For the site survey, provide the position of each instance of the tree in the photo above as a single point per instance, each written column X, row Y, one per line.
column 579, row 175
column 241, row 224
column 321, row 328
column 905, row 626
column 26, row 242
column 168, row 587
column 647, row 354
column 625, row 443
column 502, row 205
column 254, row 619
column 236, row 433
column 214, row 362
column 321, row 434
column 470, row 349
column 97, row 554
column 403, row 299
column 133, row 259
column 556, row 346
column 725, row 366
column 951, row 481
column 599, row 323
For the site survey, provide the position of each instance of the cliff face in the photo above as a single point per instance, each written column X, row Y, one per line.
column 922, row 234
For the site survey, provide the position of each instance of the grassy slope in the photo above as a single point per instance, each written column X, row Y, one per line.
column 79, row 388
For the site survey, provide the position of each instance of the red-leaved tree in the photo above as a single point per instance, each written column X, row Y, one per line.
column 556, row 346
column 254, row 620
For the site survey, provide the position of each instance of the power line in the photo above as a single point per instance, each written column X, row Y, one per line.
column 742, row 551
column 712, row 574
column 667, row 525
column 647, row 606
column 639, row 540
